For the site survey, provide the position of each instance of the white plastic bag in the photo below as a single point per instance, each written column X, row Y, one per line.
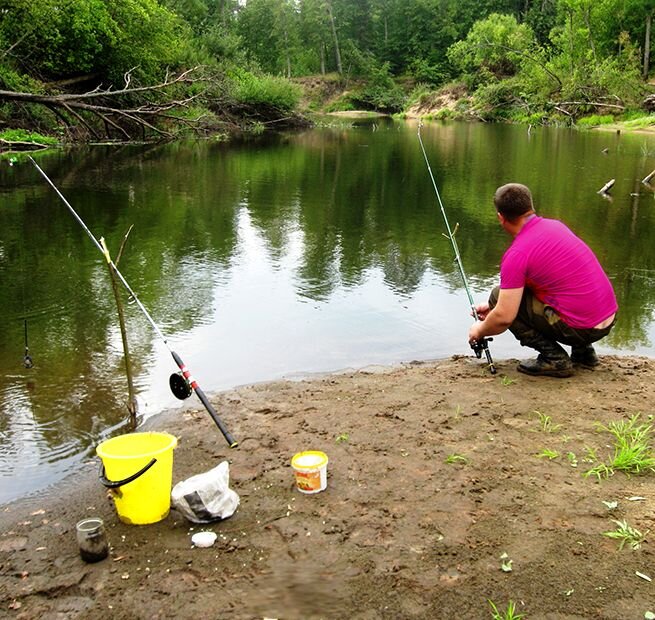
column 206, row 497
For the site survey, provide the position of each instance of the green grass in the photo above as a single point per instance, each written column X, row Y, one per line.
column 633, row 453
column 625, row 533
column 456, row 458
column 546, row 423
column 22, row 135
column 595, row 119
column 641, row 122
column 546, row 453
column 509, row 614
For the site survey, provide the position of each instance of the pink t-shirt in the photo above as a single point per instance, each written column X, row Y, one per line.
column 562, row 272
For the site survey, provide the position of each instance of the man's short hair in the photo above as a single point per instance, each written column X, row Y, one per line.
column 513, row 200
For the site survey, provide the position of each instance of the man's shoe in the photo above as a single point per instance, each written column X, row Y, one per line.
column 542, row 366
column 584, row 356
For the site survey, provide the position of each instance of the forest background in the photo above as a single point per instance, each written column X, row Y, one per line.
column 80, row 70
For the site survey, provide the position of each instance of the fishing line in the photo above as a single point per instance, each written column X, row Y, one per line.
column 182, row 383
column 479, row 346
column 28, row 362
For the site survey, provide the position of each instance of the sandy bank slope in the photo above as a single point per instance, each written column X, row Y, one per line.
column 399, row 532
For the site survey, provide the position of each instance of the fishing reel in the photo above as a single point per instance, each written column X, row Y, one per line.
column 179, row 386
column 479, row 346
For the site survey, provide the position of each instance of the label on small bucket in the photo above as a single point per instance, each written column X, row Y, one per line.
column 311, row 471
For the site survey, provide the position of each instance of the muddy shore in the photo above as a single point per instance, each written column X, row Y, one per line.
column 439, row 499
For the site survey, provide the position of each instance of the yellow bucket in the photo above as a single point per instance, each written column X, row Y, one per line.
column 138, row 468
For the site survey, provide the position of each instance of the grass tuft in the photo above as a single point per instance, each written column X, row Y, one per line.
column 633, row 453
column 625, row 533
column 509, row 614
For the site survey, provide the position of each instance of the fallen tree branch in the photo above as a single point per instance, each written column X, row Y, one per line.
column 109, row 107
column 596, row 104
column 20, row 145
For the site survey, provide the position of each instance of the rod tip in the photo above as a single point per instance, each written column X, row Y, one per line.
column 234, row 444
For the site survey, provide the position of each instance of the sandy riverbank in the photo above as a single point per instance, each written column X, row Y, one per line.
column 399, row 532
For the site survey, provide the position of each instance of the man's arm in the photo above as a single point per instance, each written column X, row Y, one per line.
column 500, row 318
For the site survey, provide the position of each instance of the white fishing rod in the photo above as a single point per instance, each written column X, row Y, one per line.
column 479, row 346
column 180, row 385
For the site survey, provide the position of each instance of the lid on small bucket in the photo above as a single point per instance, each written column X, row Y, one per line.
column 310, row 459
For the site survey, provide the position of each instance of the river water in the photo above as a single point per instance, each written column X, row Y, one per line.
column 280, row 256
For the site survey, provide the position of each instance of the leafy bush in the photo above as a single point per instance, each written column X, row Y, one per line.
column 425, row 72
column 264, row 90
column 595, row 119
column 380, row 92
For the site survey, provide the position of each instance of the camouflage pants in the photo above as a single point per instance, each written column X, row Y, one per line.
column 537, row 321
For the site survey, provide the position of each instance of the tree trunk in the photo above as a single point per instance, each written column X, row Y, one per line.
column 649, row 22
column 337, row 52
column 322, row 58
column 286, row 52
column 587, row 22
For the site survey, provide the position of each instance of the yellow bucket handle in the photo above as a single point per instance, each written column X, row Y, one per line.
column 119, row 483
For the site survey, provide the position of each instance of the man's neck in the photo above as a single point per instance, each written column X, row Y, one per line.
column 516, row 227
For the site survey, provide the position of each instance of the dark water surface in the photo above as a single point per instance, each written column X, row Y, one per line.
column 280, row 256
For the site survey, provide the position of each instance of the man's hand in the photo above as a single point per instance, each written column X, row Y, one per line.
column 474, row 332
column 481, row 310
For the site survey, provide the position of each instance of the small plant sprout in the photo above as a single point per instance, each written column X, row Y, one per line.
column 649, row 615
column 505, row 563
column 572, row 459
column 625, row 533
column 509, row 614
column 505, row 380
column 546, row 453
column 342, row 438
column 633, row 453
column 590, row 455
column 456, row 458
column 546, row 423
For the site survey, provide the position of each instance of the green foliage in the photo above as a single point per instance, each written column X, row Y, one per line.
column 560, row 50
column 595, row 120
column 625, row 533
column 495, row 43
column 380, row 92
column 64, row 39
column 509, row 614
column 263, row 90
column 633, row 453
column 23, row 135
column 424, row 71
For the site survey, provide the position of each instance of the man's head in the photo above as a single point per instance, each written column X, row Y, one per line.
column 512, row 201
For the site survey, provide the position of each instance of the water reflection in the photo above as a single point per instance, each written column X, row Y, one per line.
column 291, row 254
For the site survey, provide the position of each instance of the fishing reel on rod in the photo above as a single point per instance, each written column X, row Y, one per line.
column 180, row 387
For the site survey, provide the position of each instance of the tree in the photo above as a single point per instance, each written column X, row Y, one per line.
column 495, row 44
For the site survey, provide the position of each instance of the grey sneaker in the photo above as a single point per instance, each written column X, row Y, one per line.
column 542, row 366
column 584, row 356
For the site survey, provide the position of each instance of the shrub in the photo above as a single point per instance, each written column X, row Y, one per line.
column 248, row 88
column 595, row 119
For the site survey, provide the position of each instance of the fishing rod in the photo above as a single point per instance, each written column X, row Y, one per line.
column 181, row 384
column 479, row 346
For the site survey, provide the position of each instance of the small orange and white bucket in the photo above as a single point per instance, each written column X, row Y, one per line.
column 310, row 468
